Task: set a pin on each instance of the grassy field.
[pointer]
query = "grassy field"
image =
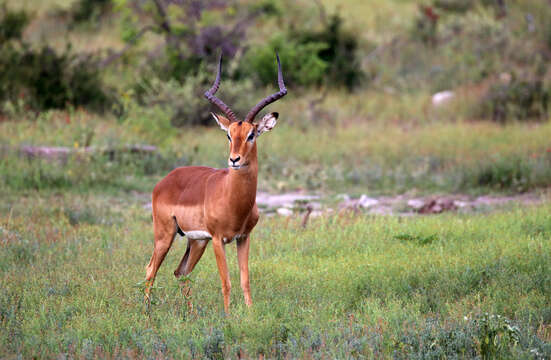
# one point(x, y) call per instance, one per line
point(76, 233)
point(373, 157)
point(347, 286)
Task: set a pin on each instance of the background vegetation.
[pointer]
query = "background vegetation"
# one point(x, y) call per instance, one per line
point(97, 78)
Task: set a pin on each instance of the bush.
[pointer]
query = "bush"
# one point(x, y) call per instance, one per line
point(43, 79)
point(339, 52)
point(517, 98)
point(12, 24)
point(47, 80)
point(327, 56)
point(301, 63)
point(186, 103)
point(85, 10)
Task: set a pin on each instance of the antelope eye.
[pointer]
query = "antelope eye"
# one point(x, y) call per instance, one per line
point(251, 137)
point(228, 135)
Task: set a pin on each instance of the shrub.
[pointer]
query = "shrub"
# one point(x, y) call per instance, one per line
point(519, 98)
point(326, 56)
point(12, 24)
point(339, 52)
point(43, 78)
point(301, 62)
point(47, 80)
point(84, 10)
point(185, 102)
point(426, 25)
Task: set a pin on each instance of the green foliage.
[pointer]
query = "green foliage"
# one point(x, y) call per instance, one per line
point(41, 78)
point(327, 56)
point(84, 171)
point(518, 99)
point(185, 101)
point(54, 81)
point(497, 335)
point(514, 173)
point(340, 52)
point(12, 24)
point(86, 10)
point(301, 62)
point(419, 239)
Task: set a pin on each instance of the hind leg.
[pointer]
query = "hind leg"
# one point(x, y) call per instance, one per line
point(194, 251)
point(164, 236)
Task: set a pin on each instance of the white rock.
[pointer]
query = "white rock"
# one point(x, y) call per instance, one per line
point(271, 201)
point(442, 97)
point(460, 204)
point(416, 203)
point(367, 202)
point(285, 212)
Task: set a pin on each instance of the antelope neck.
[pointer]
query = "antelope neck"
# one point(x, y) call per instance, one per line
point(243, 181)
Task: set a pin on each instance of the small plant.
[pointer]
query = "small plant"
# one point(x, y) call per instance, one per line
point(496, 335)
point(213, 346)
point(418, 239)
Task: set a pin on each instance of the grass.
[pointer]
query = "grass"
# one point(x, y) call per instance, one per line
point(348, 286)
point(352, 158)
point(75, 236)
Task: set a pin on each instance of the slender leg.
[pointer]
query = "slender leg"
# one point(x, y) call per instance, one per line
point(243, 259)
point(194, 251)
point(220, 255)
point(164, 235)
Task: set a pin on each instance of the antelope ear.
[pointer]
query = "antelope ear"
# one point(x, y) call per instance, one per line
point(267, 123)
point(223, 122)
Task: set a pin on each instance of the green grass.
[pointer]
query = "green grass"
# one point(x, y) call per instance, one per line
point(352, 158)
point(75, 236)
point(348, 286)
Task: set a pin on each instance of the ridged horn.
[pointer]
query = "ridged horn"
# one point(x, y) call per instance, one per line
point(209, 94)
point(271, 98)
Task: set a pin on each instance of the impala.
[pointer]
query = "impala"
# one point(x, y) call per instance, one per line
point(203, 203)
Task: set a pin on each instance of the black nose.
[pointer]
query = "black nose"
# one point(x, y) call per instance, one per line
point(235, 160)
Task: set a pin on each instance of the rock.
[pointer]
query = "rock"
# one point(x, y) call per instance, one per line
point(416, 204)
point(436, 206)
point(275, 201)
point(367, 202)
point(284, 211)
point(442, 97)
point(460, 203)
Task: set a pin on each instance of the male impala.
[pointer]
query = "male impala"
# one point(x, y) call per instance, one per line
point(205, 204)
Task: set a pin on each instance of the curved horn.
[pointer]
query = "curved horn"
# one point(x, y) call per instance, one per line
point(269, 99)
point(209, 94)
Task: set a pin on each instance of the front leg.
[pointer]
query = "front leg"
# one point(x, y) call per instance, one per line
point(243, 259)
point(220, 255)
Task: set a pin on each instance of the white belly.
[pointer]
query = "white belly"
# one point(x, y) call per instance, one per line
point(198, 235)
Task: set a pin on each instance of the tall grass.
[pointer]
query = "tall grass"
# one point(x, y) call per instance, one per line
point(348, 286)
point(372, 157)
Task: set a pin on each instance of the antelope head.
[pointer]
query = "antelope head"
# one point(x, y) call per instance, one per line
point(242, 134)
